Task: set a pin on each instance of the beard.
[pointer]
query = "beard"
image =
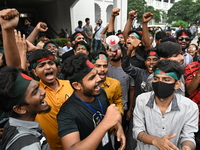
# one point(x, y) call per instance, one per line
point(116, 59)
point(89, 92)
point(45, 111)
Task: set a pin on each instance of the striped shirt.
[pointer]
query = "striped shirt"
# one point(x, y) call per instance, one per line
point(23, 135)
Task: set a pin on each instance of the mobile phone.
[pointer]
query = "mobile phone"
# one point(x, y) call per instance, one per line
point(3, 122)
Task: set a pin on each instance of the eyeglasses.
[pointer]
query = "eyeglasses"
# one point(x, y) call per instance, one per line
point(181, 39)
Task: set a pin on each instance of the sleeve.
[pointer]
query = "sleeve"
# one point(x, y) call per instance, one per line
point(138, 117)
point(188, 74)
point(191, 125)
point(129, 69)
point(66, 122)
point(131, 81)
point(118, 98)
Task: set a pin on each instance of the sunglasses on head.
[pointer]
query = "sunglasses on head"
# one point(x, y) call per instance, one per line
point(181, 39)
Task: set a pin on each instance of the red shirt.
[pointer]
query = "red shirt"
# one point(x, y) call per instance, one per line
point(190, 72)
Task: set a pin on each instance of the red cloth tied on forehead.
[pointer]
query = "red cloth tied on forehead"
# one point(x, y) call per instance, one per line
point(78, 34)
point(45, 58)
point(183, 33)
point(120, 34)
point(152, 53)
point(162, 72)
point(89, 64)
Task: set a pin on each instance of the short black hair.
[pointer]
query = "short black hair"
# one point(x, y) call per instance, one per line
point(73, 64)
point(8, 76)
point(169, 66)
point(167, 49)
point(86, 19)
point(80, 22)
point(179, 33)
point(29, 19)
point(160, 35)
point(168, 39)
point(39, 54)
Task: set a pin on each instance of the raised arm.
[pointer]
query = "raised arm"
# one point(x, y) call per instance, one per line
point(127, 28)
point(41, 27)
point(115, 12)
point(9, 19)
point(145, 33)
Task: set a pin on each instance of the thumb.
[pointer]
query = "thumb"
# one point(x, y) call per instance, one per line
point(171, 136)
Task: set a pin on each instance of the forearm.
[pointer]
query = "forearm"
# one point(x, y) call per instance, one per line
point(193, 85)
point(146, 138)
point(31, 38)
point(127, 28)
point(10, 48)
point(93, 140)
point(131, 97)
point(189, 144)
point(111, 24)
point(145, 35)
point(104, 30)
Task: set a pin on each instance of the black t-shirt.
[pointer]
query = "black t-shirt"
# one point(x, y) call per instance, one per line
point(75, 116)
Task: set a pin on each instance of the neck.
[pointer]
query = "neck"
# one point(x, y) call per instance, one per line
point(163, 103)
point(27, 117)
point(84, 97)
point(116, 63)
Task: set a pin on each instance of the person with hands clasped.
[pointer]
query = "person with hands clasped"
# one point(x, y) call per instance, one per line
point(163, 119)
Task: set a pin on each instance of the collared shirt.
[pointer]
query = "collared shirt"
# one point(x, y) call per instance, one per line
point(113, 91)
point(48, 120)
point(21, 134)
point(180, 118)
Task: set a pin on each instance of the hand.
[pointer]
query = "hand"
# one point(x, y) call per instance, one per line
point(30, 46)
point(89, 37)
point(9, 18)
point(128, 115)
point(121, 137)
point(112, 116)
point(42, 27)
point(163, 143)
point(186, 148)
point(132, 14)
point(21, 42)
point(146, 17)
point(115, 12)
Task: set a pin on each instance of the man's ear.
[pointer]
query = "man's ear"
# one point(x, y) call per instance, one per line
point(19, 109)
point(177, 84)
point(34, 72)
point(76, 85)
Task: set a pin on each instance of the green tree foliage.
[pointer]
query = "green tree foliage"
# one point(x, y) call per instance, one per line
point(182, 10)
point(180, 23)
point(141, 6)
point(137, 5)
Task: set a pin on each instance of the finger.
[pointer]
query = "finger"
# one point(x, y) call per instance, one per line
point(170, 136)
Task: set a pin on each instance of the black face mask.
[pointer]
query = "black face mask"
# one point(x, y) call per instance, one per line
point(163, 90)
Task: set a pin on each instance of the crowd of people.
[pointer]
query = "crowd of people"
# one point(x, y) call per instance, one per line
point(103, 90)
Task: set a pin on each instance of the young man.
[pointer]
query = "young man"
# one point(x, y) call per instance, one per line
point(192, 78)
point(79, 28)
point(111, 86)
point(87, 127)
point(183, 38)
point(88, 31)
point(97, 36)
point(27, 28)
point(57, 92)
point(22, 98)
point(163, 119)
